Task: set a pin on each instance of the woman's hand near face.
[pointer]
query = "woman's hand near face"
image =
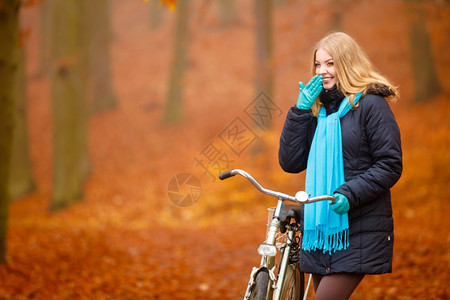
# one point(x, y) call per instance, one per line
point(309, 93)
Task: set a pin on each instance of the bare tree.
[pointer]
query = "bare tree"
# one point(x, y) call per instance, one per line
point(9, 66)
point(21, 179)
point(174, 103)
point(68, 73)
point(262, 108)
point(44, 38)
point(227, 13)
point(156, 14)
point(426, 81)
point(100, 94)
point(264, 63)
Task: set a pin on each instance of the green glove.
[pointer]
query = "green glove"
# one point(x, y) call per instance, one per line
point(341, 205)
point(310, 92)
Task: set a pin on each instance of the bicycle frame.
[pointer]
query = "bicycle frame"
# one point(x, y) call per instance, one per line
point(268, 249)
point(268, 262)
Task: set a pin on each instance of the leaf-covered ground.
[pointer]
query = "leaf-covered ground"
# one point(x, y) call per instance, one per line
point(127, 240)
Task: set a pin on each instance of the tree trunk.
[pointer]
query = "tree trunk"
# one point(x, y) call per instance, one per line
point(174, 105)
point(264, 63)
point(9, 66)
point(100, 95)
point(226, 12)
point(68, 90)
point(21, 181)
point(264, 67)
point(156, 14)
point(44, 38)
point(337, 7)
point(426, 81)
point(262, 108)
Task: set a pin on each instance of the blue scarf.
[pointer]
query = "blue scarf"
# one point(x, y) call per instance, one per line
point(323, 228)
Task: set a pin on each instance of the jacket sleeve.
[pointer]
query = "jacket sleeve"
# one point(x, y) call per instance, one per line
point(384, 141)
point(295, 140)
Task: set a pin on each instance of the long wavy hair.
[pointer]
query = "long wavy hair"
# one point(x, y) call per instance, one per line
point(355, 72)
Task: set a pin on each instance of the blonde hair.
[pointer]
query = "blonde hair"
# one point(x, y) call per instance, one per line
point(354, 71)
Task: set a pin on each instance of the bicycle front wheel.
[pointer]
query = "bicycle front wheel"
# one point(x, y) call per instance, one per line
point(293, 287)
point(261, 286)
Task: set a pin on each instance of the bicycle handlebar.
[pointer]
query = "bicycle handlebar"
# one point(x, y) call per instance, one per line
point(226, 175)
point(301, 197)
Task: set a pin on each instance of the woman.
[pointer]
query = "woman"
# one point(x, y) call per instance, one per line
point(343, 132)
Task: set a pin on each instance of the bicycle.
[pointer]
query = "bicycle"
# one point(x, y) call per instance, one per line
point(279, 278)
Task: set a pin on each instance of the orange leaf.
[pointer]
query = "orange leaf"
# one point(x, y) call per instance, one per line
point(170, 3)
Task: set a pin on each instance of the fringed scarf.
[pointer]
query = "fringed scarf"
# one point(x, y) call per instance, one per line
point(323, 228)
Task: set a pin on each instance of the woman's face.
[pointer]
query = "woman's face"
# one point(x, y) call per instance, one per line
point(325, 66)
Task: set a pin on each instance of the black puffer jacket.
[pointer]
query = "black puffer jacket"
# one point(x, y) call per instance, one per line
point(372, 165)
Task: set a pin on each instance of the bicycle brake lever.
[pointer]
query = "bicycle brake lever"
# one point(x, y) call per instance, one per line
point(302, 196)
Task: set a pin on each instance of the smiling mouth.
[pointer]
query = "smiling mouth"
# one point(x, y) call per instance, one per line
point(326, 80)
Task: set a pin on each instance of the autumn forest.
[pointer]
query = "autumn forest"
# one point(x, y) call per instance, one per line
point(118, 116)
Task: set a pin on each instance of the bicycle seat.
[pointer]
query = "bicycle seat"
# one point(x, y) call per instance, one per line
point(288, 213)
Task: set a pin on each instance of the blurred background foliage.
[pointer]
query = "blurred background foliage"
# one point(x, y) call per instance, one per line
point(106, 102)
